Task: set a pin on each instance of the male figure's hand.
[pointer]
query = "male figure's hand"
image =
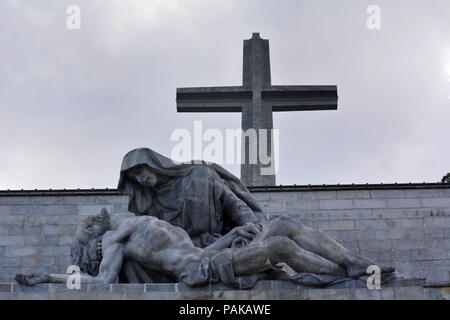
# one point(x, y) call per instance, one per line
point(32, 279)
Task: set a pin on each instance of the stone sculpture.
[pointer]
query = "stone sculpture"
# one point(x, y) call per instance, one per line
point(197, 223)
point(285, 247)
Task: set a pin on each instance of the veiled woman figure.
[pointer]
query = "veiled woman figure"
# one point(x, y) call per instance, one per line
point(202, 198)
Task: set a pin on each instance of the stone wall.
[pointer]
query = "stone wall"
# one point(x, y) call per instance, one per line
point(409, 228)
point(36, 232)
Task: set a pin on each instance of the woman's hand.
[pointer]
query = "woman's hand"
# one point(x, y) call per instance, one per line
point(249, 230)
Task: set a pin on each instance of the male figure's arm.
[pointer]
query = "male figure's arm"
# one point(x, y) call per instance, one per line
point(109, 269)
point(120, 234)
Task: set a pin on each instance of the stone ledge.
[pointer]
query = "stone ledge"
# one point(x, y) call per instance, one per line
point(181, 287)
point(270, 290)
point(129, 292)
point(276, 188)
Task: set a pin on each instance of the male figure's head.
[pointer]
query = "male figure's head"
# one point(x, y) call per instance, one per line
point(93, 226)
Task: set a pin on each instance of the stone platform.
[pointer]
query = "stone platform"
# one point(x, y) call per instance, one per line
point(406, 226)
point(264, 290)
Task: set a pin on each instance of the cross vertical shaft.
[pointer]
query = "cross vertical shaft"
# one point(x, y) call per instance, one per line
point(255, 78)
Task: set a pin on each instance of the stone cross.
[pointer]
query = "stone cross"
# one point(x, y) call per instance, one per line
point(257, 98)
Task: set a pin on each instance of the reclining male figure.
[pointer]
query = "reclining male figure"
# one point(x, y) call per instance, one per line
point(162, 247)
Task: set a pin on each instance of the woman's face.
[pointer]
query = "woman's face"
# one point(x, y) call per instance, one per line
point(143, 175)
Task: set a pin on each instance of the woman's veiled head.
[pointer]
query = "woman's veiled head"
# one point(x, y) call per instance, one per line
point(143, 175)
point(152, 162)
point(142, 171)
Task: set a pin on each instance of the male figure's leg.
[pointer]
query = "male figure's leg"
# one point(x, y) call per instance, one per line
point(263, 255)
point(319, 243)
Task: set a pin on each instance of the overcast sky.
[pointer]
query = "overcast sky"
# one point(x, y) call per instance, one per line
point(73, 102)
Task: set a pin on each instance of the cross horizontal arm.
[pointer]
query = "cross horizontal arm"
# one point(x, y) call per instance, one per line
point(301, 98)
point(212, 99)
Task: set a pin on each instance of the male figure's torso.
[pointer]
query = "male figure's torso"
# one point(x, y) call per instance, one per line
point(155, 244)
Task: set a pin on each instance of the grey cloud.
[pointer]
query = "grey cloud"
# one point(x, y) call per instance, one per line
point(74, 102)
